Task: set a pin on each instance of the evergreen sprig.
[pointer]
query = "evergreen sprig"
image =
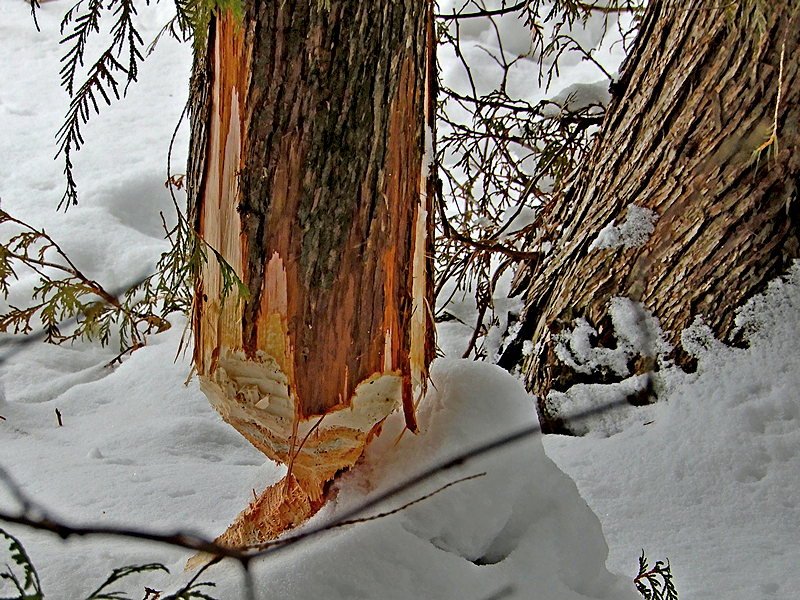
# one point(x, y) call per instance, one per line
point(192, 18)
point(102, 593)
point(655, 583)
point(143, 308)
point(170, 289)
point(119, 62)
point(63, 292)
point(35, 5)
point(27, 583)
point(191, 590)
point(102, 77)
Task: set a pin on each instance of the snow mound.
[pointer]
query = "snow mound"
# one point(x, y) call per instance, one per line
point(711, 481)
point(521, 529)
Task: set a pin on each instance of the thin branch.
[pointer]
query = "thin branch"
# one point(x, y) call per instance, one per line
point(483, 13)
point(486, 102)
point(64, 531)
point(458, 460)
point(608, 10)
point(33, 516)
point(95, 287)
point(492, 246)
point(409, 504)
point(476, 332)
point(34, 7)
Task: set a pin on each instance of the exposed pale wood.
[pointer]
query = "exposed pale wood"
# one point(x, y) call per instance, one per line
point(313, 189)
point(279, 508)
point(696, 98)
point(219, 324)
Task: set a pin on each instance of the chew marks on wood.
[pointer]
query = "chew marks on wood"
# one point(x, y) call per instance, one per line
point(317, 191)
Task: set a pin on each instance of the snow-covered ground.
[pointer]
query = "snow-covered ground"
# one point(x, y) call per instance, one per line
point(708, 477)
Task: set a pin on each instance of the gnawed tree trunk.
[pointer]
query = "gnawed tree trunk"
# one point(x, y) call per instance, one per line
point(687, 136)
point(310, 125)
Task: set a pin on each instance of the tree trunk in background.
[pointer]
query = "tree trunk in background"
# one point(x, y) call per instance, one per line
point(686, 137)
point(310, 125)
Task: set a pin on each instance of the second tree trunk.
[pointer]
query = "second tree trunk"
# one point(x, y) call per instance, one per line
point(689, 204)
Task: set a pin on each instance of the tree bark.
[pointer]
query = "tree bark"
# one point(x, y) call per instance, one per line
point(687, 135)
point(309, 172)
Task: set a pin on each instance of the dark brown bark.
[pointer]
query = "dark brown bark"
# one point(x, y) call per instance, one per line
point(306, 174)
point(695, 102)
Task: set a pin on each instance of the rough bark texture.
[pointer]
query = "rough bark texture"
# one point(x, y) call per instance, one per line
point(696, 100)
point(310, 125)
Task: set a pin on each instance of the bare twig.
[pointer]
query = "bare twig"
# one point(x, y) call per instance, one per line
point(409, 504)
point(483, 13)
point(33, 516)
point(458, 460)
point(477, 331)
point(491, 246)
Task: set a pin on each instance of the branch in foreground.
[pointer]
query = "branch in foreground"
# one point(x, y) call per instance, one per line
point(586, 7)
point(483, 13)
point(457, 461)
point(31, 515)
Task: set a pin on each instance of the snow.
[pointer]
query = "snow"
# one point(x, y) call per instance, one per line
point(633, 232)
point(430, 156)
point(581, 95)
point(516, 219)
point(636, 333)
point(712, 481)
point(708, 476)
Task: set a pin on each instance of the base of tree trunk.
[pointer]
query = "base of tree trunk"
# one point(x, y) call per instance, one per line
point(280, 507)
point(698, 156)
point(253, 397)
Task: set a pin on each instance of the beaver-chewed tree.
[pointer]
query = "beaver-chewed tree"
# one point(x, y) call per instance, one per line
point(689, 203)
point(309, 172)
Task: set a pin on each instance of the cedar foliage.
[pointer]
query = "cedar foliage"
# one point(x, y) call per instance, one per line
point(64, 296)
point(120, 60)
point(655, 583)
point(21, 575)
point(143, 307)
